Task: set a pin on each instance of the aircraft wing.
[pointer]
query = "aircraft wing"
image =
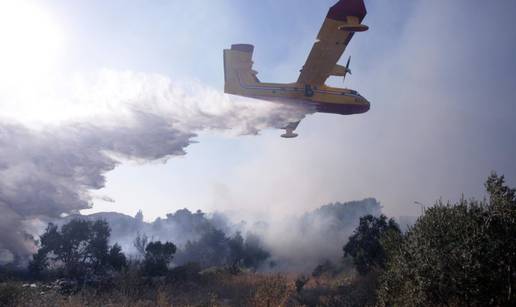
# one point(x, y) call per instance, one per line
point(342, 21)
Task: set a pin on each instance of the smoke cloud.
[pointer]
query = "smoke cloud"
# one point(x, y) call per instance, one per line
point(49, 165)
point(301, 242)
point(295, 243)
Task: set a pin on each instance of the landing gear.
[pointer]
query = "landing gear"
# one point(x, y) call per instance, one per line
point(289, 134)
point(290, 130)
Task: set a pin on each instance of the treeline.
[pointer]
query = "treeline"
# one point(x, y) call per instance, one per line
point(297, 243)
point(79, 250)
point(461, 254)
point(89, 248)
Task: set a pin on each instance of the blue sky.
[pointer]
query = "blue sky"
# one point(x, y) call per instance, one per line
point(439, 75)
point(185, 40)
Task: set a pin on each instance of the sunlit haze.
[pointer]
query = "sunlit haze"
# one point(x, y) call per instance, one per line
point(439, 122)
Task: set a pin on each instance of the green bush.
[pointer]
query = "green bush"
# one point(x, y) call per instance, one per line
point(365, 246)
point(157, 258)
point(460, 254)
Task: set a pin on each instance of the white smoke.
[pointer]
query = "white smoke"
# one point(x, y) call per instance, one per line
point(57, 143)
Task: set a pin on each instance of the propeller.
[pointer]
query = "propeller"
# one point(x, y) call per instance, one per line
point(347, 70)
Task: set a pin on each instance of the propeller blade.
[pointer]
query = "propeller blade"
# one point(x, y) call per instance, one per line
point(348, 71)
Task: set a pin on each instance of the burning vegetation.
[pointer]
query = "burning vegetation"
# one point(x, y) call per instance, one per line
point(453, 255)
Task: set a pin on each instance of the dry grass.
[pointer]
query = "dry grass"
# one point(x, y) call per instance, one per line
point(213, 288)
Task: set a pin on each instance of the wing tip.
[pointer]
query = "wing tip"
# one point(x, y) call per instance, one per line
point(243, 47)
point(345, 8)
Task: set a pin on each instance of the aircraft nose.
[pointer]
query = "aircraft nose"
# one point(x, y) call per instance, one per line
point(366, 103)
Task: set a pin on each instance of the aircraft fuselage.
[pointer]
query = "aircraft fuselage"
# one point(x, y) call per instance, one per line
point(323, 99)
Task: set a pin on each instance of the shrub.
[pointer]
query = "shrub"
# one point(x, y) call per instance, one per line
point(461, 254)
point(365, 245)
point(157, 258)
point(270, 291)
point(187, 272)
point(10, 294)
point(300, 283)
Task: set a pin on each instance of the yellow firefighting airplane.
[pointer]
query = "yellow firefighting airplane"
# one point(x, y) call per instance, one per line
point(342, 21)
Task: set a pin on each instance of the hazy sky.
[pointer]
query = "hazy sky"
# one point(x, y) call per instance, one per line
point(439, 75)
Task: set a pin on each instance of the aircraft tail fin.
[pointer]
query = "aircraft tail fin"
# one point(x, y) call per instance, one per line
point(238, 69)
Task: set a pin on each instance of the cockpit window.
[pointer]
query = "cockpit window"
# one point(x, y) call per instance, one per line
point(352, 92)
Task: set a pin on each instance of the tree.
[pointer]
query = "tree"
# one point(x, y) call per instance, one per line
point(140, 243)
point(116, 258)
point(365, 245)
point(139, 217)
point(247, 253)
point(254, 253)
point(236, 251)
point(80, 247)
point(457, 254)
point(157, 257)
point(97, 247)
point(212, 249)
